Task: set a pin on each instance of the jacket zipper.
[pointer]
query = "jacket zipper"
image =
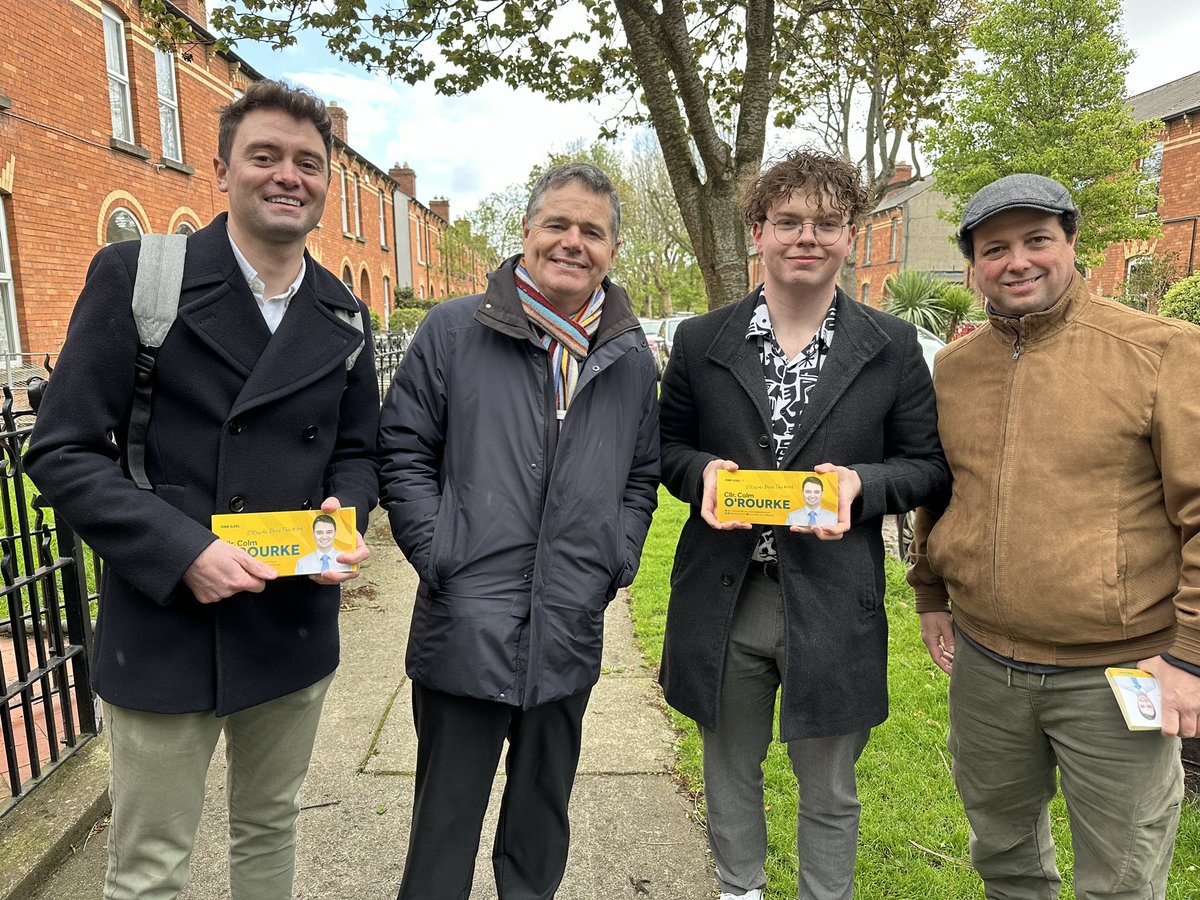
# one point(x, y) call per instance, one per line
point(997, 539)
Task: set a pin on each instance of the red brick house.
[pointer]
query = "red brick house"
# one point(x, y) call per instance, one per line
point(103, 137)
point(1174, 166)
point(904, 231)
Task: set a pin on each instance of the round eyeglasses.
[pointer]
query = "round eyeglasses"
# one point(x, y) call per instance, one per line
point(826, 231)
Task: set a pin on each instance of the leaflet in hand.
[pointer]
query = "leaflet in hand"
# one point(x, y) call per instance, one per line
point(303, 542)
point(768, 497)
point(1138, 696)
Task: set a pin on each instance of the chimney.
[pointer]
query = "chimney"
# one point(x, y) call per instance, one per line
point(337, 115)
point(406, 178)
point(440, 206)
point(902, 173)
point(196, 10)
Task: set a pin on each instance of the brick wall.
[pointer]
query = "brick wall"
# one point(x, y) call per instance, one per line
point(1179, 199)
point(883, 261)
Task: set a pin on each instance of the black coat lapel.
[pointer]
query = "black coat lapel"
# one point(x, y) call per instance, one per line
point(856, 340)
point(731, 349)
point(310, 341)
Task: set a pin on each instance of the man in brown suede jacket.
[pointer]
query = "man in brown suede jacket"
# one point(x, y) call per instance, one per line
point(1071, 542)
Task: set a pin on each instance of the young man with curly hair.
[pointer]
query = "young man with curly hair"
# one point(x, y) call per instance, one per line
point(796, 376)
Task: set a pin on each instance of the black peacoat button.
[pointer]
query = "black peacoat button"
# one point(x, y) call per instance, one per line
point(726, 579)
point(764, 441)
point(311, 432)
point(237, 503)
point(236, 427)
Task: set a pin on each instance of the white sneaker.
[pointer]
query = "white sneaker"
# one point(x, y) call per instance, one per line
point(755, 894)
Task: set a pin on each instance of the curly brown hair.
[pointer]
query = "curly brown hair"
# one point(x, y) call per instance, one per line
point(820, 175)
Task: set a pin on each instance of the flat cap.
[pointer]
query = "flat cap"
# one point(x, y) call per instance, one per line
point(1013, 192)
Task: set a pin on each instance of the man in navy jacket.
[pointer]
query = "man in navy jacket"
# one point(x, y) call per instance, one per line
point(255, 408)
point(519, 451)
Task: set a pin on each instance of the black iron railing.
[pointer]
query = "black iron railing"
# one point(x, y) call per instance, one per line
point(47, 709)
point(390, 347)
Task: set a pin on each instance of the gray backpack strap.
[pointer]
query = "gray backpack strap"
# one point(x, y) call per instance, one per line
point(155, 304)
point(156, 290)
point(354, 319)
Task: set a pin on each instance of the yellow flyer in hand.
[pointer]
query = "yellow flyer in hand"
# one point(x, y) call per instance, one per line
point(303, 542)
point(766, 497)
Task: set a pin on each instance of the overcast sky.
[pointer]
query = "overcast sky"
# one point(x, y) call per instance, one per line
point(463, 148)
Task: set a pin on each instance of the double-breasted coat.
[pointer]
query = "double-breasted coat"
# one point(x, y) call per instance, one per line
point(872, 409)
point(242, 420)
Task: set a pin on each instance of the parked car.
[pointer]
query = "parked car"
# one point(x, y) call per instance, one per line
point(650, 327)
point(666, 337)
point(930, 345)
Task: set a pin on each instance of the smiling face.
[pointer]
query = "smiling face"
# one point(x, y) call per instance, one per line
point(812, 494)
point(276, 177)
point(1024, 261)
point(802, 269)
point(568, 245)
point(323, 534)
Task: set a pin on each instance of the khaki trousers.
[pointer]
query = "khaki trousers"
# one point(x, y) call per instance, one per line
point(157, 767)
point(1009, 732)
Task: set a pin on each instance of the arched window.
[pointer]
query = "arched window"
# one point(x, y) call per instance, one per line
point(122, 226)
point(364, 293)
point(185, 228)
point(348, 278)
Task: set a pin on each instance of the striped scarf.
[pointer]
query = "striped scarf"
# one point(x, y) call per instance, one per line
point(565, 338)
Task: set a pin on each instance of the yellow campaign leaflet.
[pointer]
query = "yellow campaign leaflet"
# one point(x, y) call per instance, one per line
point(765, 497)
point(303, 542)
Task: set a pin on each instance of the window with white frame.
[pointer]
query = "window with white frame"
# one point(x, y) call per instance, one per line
point(387, 297)
point(382, 223)
point(895, 237)
point(168, 105)
point(10, 340)
point(122, 226)
point(867, 247)
point(185, 228)
point(420, 242)
point(866, 293)
point(1151, 172)
point(118, 75)
point(345, 204)
point(357, 210)
point(348, 279)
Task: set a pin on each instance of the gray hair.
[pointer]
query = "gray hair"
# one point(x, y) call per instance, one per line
point(586, 174)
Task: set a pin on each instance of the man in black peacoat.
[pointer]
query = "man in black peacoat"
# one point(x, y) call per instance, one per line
point(194, 636)
point(796, 376)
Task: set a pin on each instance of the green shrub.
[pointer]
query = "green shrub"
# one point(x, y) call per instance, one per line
point(405, 319)
point(1182, 301)
point(912, 295)
point(376, 322)
point(960, 305)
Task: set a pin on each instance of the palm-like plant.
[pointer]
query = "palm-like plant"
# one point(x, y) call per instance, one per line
point(960, 305)
point(912, 295)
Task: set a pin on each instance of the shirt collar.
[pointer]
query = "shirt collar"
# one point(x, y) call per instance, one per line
point(760, 320)
point(255, 283)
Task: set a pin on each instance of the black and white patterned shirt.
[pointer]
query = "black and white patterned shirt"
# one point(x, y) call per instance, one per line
point(789, 384)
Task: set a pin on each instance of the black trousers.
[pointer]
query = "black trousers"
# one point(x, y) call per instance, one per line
point(459, 740)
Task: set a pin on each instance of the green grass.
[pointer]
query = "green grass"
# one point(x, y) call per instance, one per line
point(913, 837)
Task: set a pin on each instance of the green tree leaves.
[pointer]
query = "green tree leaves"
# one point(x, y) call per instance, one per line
point(1049, 98)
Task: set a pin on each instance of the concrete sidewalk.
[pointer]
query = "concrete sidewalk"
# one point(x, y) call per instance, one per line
point(634, 834)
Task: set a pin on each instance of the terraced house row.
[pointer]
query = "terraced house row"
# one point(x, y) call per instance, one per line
point(104, 137)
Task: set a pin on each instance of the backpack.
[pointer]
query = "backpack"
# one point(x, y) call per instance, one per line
point(155, 306)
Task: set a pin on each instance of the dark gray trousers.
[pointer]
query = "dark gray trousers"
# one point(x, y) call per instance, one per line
point(459, 740)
